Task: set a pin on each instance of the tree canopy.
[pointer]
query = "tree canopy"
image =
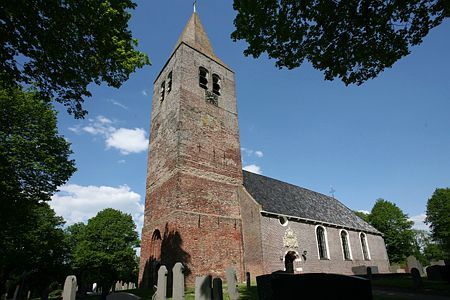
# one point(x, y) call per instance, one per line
point(60, 47)
point(350, 40)
point(34, 161)
point(104, 252)
point(389, 219)
point(438, 216)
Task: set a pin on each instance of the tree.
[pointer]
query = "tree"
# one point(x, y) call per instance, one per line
point(34, 161)
point(105, 249)
point(393, 223)
point(36, 257)
point(362, 215)
point(351, 40)
point(60, 47)
point(438, 208)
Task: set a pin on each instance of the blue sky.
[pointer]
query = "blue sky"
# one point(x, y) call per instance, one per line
point(388, 138)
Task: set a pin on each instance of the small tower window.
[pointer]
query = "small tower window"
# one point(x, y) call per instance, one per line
point(216, 84)
point(203, 78)
point(322, 242)
point(169, 82)
point(162, 91)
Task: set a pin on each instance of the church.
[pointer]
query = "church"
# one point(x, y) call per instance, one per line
point(203, 210)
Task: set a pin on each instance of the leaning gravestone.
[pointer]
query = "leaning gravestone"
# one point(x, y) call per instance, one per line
point(122, 296)
point(70, 288)
point(178, 281)
point(232, 284)
point(203, 288)
point(412, 262)
point(161, 291)
point(247, 280)
point(217, 289)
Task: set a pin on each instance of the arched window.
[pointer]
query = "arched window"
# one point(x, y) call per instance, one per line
point(162, 91)
point(203, 78)
point(169, 82)
point(364, 246)
point(345, 245)
point(216, 84)
point(322, 242)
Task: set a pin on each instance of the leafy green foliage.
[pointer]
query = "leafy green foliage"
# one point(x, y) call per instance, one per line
point(351, 40)
point(34, 161)
point(60, 47)
point(393, 223)
point(362, 215)
point(438, 216)
point(104, 252)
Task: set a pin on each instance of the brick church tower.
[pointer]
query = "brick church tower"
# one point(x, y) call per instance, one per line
point(192, 211)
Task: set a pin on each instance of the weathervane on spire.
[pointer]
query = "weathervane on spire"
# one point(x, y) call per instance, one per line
point(195, 3)
point(332, 190)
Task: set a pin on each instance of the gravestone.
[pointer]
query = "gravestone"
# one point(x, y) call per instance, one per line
point(247, 280)
point(232, 284)
point(203, 288)
point(217, 289)
point(70, 288)
point(437, 263)
point(412, 262)
point(117, 286)
point(434, 273)
point(178, 281)
point(161, 291)
point(416, 277)
point(122, 296)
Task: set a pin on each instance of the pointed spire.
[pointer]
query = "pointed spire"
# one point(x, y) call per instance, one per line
point(195, 36)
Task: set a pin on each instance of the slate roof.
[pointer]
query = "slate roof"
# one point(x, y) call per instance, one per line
point(282, 198)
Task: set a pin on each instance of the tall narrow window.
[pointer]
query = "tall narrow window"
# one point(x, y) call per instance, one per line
point(216, 84)
point(162, 91)
point(364, 246)
point(321, 242)
point(345, 245)
point(169, 82)
point(203, 78)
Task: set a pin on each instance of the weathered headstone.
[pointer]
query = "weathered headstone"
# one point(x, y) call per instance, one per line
point(122, 296)
point(412, 262)
point(117, 286)
point(232, 284)
point(70, 288)
point(416, 277)
point(247, 280)
point(16, 292)
point(161, 292)
point(203, 288)
point(178, 281)
point(217, 289)
point(437, 263)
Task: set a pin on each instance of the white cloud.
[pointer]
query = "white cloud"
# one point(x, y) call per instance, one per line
point(144, 93)
point(419, 222)
point(253, 168)
point(76, 203)
point(117, 103)
point(364, 211)
point(259, 153)
point(128, 140)
point(123, 139)
point(122, 161)
point(249, 152)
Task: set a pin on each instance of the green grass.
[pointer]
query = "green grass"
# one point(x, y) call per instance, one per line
point(428, 287)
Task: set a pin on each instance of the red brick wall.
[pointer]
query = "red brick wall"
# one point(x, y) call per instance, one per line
point(273, 249)
point(194, 171)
